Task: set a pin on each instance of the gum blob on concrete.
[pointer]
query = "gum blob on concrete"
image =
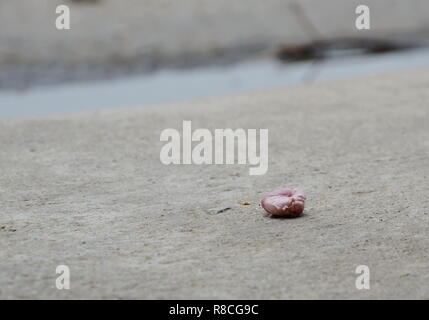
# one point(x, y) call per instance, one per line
point(284, 203)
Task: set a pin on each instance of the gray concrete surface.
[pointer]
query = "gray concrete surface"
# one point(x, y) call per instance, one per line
point(111, 39)
point(156, 31)
point(88, 190)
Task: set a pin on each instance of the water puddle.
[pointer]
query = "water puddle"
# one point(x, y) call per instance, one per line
point(181, 85)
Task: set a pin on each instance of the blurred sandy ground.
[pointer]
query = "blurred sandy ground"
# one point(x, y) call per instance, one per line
point(158, 31)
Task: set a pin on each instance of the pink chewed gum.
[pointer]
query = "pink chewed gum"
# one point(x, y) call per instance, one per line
point(284, 203)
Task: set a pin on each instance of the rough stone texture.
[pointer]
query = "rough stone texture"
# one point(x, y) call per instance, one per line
point(89, 191)
point(111, 30)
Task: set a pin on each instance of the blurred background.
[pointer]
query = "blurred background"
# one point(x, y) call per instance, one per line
point(136, 52)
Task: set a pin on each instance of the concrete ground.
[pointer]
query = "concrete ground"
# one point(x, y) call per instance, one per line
point(89, 191)
point(110, 39)
point(156, 31)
